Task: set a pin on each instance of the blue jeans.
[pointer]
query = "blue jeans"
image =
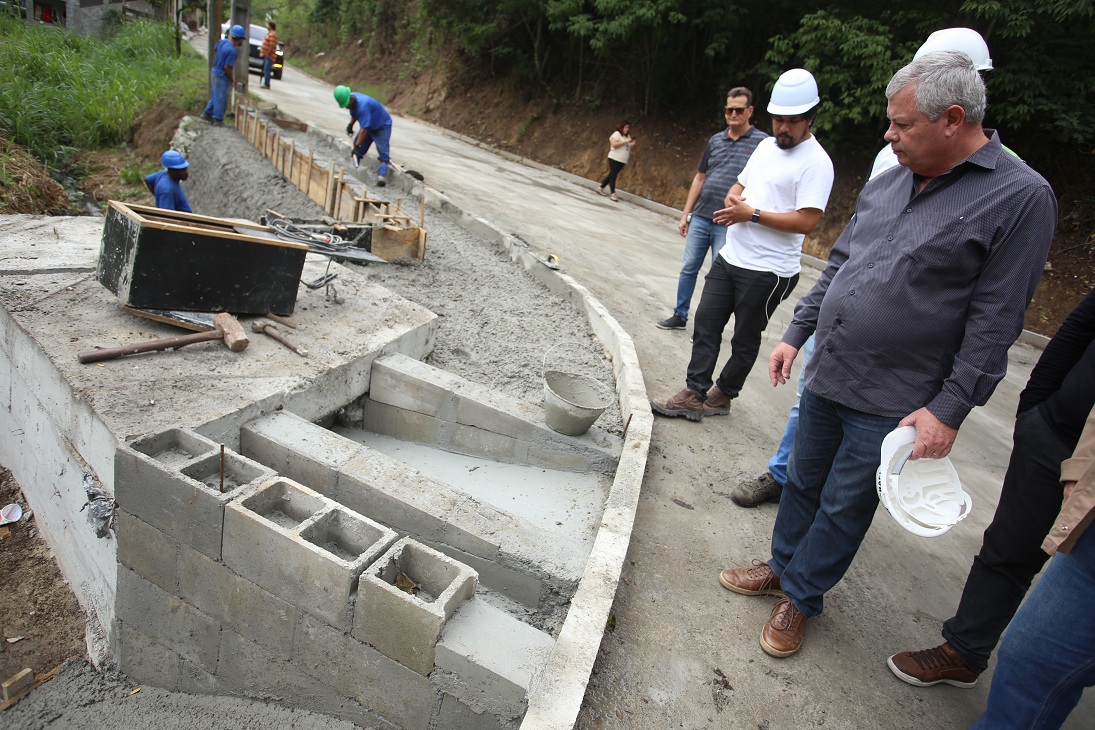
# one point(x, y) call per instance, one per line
point(218, 103)
point(703, 234)
point(777, 465)
point(1047, 657)
point(382, 137)
point(267, 69)
point(829, 499)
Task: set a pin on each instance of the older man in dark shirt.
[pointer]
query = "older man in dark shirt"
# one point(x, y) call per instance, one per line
point(924, 292)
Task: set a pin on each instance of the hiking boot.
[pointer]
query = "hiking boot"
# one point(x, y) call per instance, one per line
point(613, 198)
point(381, 180)
point(782, 634)
point(601, 190)
point(932, 666)
point(754, 492)
point(206, 116)
point(684, 403)
point(673, 322)
point(717, 404)
point(756, 580)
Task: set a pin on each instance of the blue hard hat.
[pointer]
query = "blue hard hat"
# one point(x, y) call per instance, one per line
point(238, 31)
point(173, 160)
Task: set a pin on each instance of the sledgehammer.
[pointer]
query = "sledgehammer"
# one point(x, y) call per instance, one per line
point(226, 328)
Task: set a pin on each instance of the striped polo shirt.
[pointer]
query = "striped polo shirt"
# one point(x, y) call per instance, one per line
point(723, 160)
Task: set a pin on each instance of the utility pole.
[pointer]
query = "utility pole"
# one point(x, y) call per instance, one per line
point(213, 25)
point(241, 15)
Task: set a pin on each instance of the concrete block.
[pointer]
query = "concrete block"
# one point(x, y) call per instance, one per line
point(455, 715)
point(239, 604)
point(173, 623)
point(355, 670)
point(196, 681)
point(495, 656)
point(145, 660)
point(248, 670)
point(146, 551)
point(320, 547)
point(298, 449)
point(181, 498)
point(521, 587)
point(391, 493)
point(403, 619)
point(402, 423)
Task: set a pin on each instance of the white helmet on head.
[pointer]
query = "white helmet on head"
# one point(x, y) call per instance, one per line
point(965, 40)
point(795, 92)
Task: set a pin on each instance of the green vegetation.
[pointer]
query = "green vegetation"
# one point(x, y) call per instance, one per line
point(61, 90)
point(678, 57)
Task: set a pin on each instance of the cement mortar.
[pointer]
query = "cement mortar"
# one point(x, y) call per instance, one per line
point(497, 321)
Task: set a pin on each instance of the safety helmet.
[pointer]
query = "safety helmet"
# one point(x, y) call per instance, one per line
point(342, 96)
point(923, 496)
point(173, 160)
point(965, 40)
point(238, 32)
point(795, 92)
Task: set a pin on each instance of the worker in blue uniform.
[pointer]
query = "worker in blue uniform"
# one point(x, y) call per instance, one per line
point(222, 74)
point(164, 184)
point(375, 125)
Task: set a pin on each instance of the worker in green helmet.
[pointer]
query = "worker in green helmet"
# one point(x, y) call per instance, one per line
point(374, 123)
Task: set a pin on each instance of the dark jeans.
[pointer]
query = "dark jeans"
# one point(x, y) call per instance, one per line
point(829, 500)
point(614, 167)
point(752, 297)
point(1011, 553)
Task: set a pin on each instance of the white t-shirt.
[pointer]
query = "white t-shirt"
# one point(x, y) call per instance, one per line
point(884, 160)
point(778, 181)
point(621, 153)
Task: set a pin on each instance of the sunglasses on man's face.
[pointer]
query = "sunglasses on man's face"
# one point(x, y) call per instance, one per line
point(731, 110)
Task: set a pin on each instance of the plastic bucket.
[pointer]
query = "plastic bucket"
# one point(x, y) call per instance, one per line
point(573, 402)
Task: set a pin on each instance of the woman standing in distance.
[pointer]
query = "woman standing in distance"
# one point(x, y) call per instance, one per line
point(619, 152)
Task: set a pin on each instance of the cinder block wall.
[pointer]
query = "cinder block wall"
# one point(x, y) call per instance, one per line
point(271, 589)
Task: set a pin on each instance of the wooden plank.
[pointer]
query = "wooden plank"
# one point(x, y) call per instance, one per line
point(289, 124)
point(390, 242)
point(39, 680)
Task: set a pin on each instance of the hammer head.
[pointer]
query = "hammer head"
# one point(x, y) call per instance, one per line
point(234, 336)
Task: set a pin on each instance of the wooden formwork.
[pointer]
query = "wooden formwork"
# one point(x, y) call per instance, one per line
point(395, 233)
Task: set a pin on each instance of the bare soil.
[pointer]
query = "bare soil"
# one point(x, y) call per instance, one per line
point(40, 621)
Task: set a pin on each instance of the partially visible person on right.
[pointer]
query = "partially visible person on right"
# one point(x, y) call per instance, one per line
point(164, 184)
point(1047, 658)
point(620, 144)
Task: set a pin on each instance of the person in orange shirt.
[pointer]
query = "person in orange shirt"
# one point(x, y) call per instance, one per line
point(268, 52)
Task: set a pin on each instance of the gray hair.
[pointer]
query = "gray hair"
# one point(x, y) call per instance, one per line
point(943, 79)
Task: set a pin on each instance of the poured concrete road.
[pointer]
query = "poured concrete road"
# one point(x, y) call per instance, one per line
point(683, 652)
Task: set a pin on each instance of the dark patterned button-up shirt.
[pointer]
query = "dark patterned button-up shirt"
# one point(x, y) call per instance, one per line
point(925, 292)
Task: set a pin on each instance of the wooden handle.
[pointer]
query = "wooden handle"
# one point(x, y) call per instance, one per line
point(168, 343)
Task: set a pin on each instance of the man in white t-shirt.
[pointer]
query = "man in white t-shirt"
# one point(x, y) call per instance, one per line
point(779, 198)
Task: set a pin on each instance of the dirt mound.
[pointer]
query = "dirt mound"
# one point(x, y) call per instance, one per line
point(25, 184)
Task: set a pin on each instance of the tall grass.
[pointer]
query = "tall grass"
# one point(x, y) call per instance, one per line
point(61, 90)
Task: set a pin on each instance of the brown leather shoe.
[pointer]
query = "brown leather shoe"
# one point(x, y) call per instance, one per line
point(684, 403)
point(782, 635)
point(941, 665)
point(756, 580)
point(717, 404)
point(755, 492)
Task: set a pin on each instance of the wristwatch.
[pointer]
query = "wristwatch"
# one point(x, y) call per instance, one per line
point(756, 215)
point(688, 218)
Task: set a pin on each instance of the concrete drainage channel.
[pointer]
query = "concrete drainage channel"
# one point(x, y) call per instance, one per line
point(305, 539)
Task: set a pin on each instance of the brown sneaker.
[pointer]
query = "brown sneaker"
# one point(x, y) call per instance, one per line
point(684, 404)
point(782, 635)
point(717, 404)
point(756, 580)
point(932, 666)
point(754, 492)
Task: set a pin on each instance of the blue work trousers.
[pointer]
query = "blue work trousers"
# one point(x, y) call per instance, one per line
point(777, 465)
point(382, 137)
point(267, 70)
point(218, 103)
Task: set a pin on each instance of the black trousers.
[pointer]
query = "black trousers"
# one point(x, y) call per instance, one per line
point(1011, 553)
point(614, 167)
point(752, 297)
